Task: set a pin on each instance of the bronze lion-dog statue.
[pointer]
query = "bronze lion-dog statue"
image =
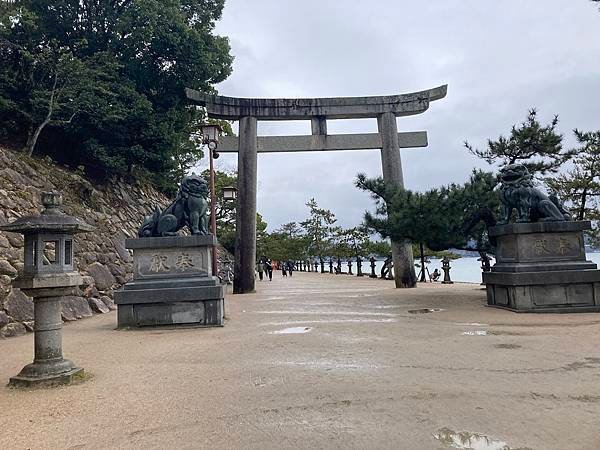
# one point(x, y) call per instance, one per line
point(189, 209)
point(517, 192)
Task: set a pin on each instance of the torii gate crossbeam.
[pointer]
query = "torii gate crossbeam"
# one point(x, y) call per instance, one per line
point(249, 110)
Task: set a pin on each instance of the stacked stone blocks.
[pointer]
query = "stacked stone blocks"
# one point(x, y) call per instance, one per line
point(542, 267)
point(172, 283)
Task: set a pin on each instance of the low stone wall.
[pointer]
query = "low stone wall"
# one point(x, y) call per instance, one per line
point(115, 210)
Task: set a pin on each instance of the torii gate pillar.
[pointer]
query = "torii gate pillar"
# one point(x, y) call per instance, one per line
point(245, 223)
point(391, 162)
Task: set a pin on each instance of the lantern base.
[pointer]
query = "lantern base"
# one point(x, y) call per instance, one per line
point(41, 375)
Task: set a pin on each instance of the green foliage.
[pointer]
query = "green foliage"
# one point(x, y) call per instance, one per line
point(442, 218)
point(317, 236)
point(110, 76)
point(378, 248)
point(225, 210)
point(319, 229)
point(286, 243)
point(537, 147)
point(580, 186)
point(428, 253)
point(261, 233)
point(351, 242)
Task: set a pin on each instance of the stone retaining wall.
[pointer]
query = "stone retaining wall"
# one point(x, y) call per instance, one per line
point(115, 210)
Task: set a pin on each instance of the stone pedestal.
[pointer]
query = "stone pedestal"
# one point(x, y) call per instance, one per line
point(542, 267)
point(172, 284)
point(48, 368)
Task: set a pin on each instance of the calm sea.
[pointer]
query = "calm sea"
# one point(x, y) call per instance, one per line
point(466, 269)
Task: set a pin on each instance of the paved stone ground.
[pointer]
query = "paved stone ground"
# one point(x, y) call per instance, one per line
point(367, 374)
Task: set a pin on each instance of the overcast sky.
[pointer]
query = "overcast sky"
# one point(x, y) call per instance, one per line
point(499, 58)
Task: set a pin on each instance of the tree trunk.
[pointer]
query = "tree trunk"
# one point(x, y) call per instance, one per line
point(32, 139)
point(423, 279)
point(582, 208)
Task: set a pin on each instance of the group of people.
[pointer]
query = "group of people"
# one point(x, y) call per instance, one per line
point(287, 267)
point(265, 267)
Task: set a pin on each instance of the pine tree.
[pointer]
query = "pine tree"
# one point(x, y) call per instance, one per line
point(319, 229)
point(536, 146)
point(580, 186)
point(439, 219)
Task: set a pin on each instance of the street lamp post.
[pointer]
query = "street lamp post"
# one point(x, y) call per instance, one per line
point(210, 137)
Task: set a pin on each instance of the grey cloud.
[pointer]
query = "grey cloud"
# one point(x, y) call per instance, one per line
point(499, 59)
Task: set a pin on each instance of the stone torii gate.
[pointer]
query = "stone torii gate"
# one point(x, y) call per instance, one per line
point(249, 110)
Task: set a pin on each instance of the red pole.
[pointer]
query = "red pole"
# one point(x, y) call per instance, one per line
point(213, 209)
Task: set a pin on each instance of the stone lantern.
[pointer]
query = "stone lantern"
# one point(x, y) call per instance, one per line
point(49, 274)
point(446, 268)
point(372, 262)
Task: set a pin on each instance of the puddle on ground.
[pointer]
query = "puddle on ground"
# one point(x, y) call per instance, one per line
point(293, 330)
point(328, 365)
point(354, 295)
point(474, 333)
point(387, 306)
point(424, 310)
point(300, 322)
point(508, 346)
point(333, 313)
point(469, 441)
point(333, 292)
point(506, 333)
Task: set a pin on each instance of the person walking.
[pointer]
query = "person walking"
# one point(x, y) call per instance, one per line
point(290, 265)
point(283, 265)
point(269, 269)
point(260, 268)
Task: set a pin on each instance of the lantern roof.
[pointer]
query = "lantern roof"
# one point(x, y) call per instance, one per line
point(51, 219)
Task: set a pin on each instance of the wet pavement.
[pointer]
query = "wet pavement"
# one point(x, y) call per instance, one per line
point(322, 361)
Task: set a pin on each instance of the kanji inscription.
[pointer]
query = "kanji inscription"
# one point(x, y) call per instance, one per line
point(184, 261)
point(158, 263)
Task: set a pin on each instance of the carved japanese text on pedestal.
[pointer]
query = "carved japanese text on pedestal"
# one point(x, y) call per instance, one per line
point(168, 262)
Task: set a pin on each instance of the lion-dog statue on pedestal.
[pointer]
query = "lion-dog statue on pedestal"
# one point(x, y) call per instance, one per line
point(532, 205)
point(189, 208)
